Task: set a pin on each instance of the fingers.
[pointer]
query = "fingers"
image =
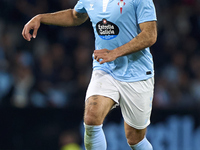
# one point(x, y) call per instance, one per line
point(100, 58)
point(103, 55)
point(26, 34)
point(35, 32)
point(97, 58)
point(103, 61)
point(34, 25)
point(97, 55)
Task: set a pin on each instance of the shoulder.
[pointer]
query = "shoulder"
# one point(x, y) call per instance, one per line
point(143, 3)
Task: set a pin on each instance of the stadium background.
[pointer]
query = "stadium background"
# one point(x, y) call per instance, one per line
point(43, 82)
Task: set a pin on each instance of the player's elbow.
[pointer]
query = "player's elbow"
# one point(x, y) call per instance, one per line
point(152, 40)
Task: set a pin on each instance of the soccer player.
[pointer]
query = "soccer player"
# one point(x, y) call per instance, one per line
point(123, 71)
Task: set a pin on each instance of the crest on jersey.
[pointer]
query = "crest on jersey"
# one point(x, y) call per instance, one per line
point(121, 4)
point(107, 30)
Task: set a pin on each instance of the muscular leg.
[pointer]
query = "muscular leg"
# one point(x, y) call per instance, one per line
point(96, 109)
point(136, 138)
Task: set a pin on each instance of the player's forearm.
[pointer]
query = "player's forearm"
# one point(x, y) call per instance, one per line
point(60, 18)
point(140, 42)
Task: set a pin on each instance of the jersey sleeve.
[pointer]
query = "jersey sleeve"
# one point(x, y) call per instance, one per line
point(79, 7)
point(145, 11)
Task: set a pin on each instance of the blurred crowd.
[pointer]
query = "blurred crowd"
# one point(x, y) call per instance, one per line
point(54, 69)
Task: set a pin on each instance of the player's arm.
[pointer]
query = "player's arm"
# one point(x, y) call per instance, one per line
point(67, 17)
point(146, 38)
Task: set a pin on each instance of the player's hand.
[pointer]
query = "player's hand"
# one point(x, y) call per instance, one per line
point(104, 55)
point(34, 25)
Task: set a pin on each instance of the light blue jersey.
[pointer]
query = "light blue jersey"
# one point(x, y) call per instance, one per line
point(115, 23)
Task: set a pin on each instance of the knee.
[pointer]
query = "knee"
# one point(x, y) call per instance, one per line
point(92, 118)
point(132, 142)
point(133, 135)
point(134, 138)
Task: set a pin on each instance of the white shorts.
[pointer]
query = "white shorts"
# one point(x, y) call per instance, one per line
point(134, 98)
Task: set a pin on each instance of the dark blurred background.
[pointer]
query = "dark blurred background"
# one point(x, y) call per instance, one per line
point(43, 82)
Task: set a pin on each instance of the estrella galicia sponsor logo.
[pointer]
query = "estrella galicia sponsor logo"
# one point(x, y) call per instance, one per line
point(107, 30)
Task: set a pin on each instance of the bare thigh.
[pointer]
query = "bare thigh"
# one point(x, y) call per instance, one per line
point(96, 109)
point(133, 135)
